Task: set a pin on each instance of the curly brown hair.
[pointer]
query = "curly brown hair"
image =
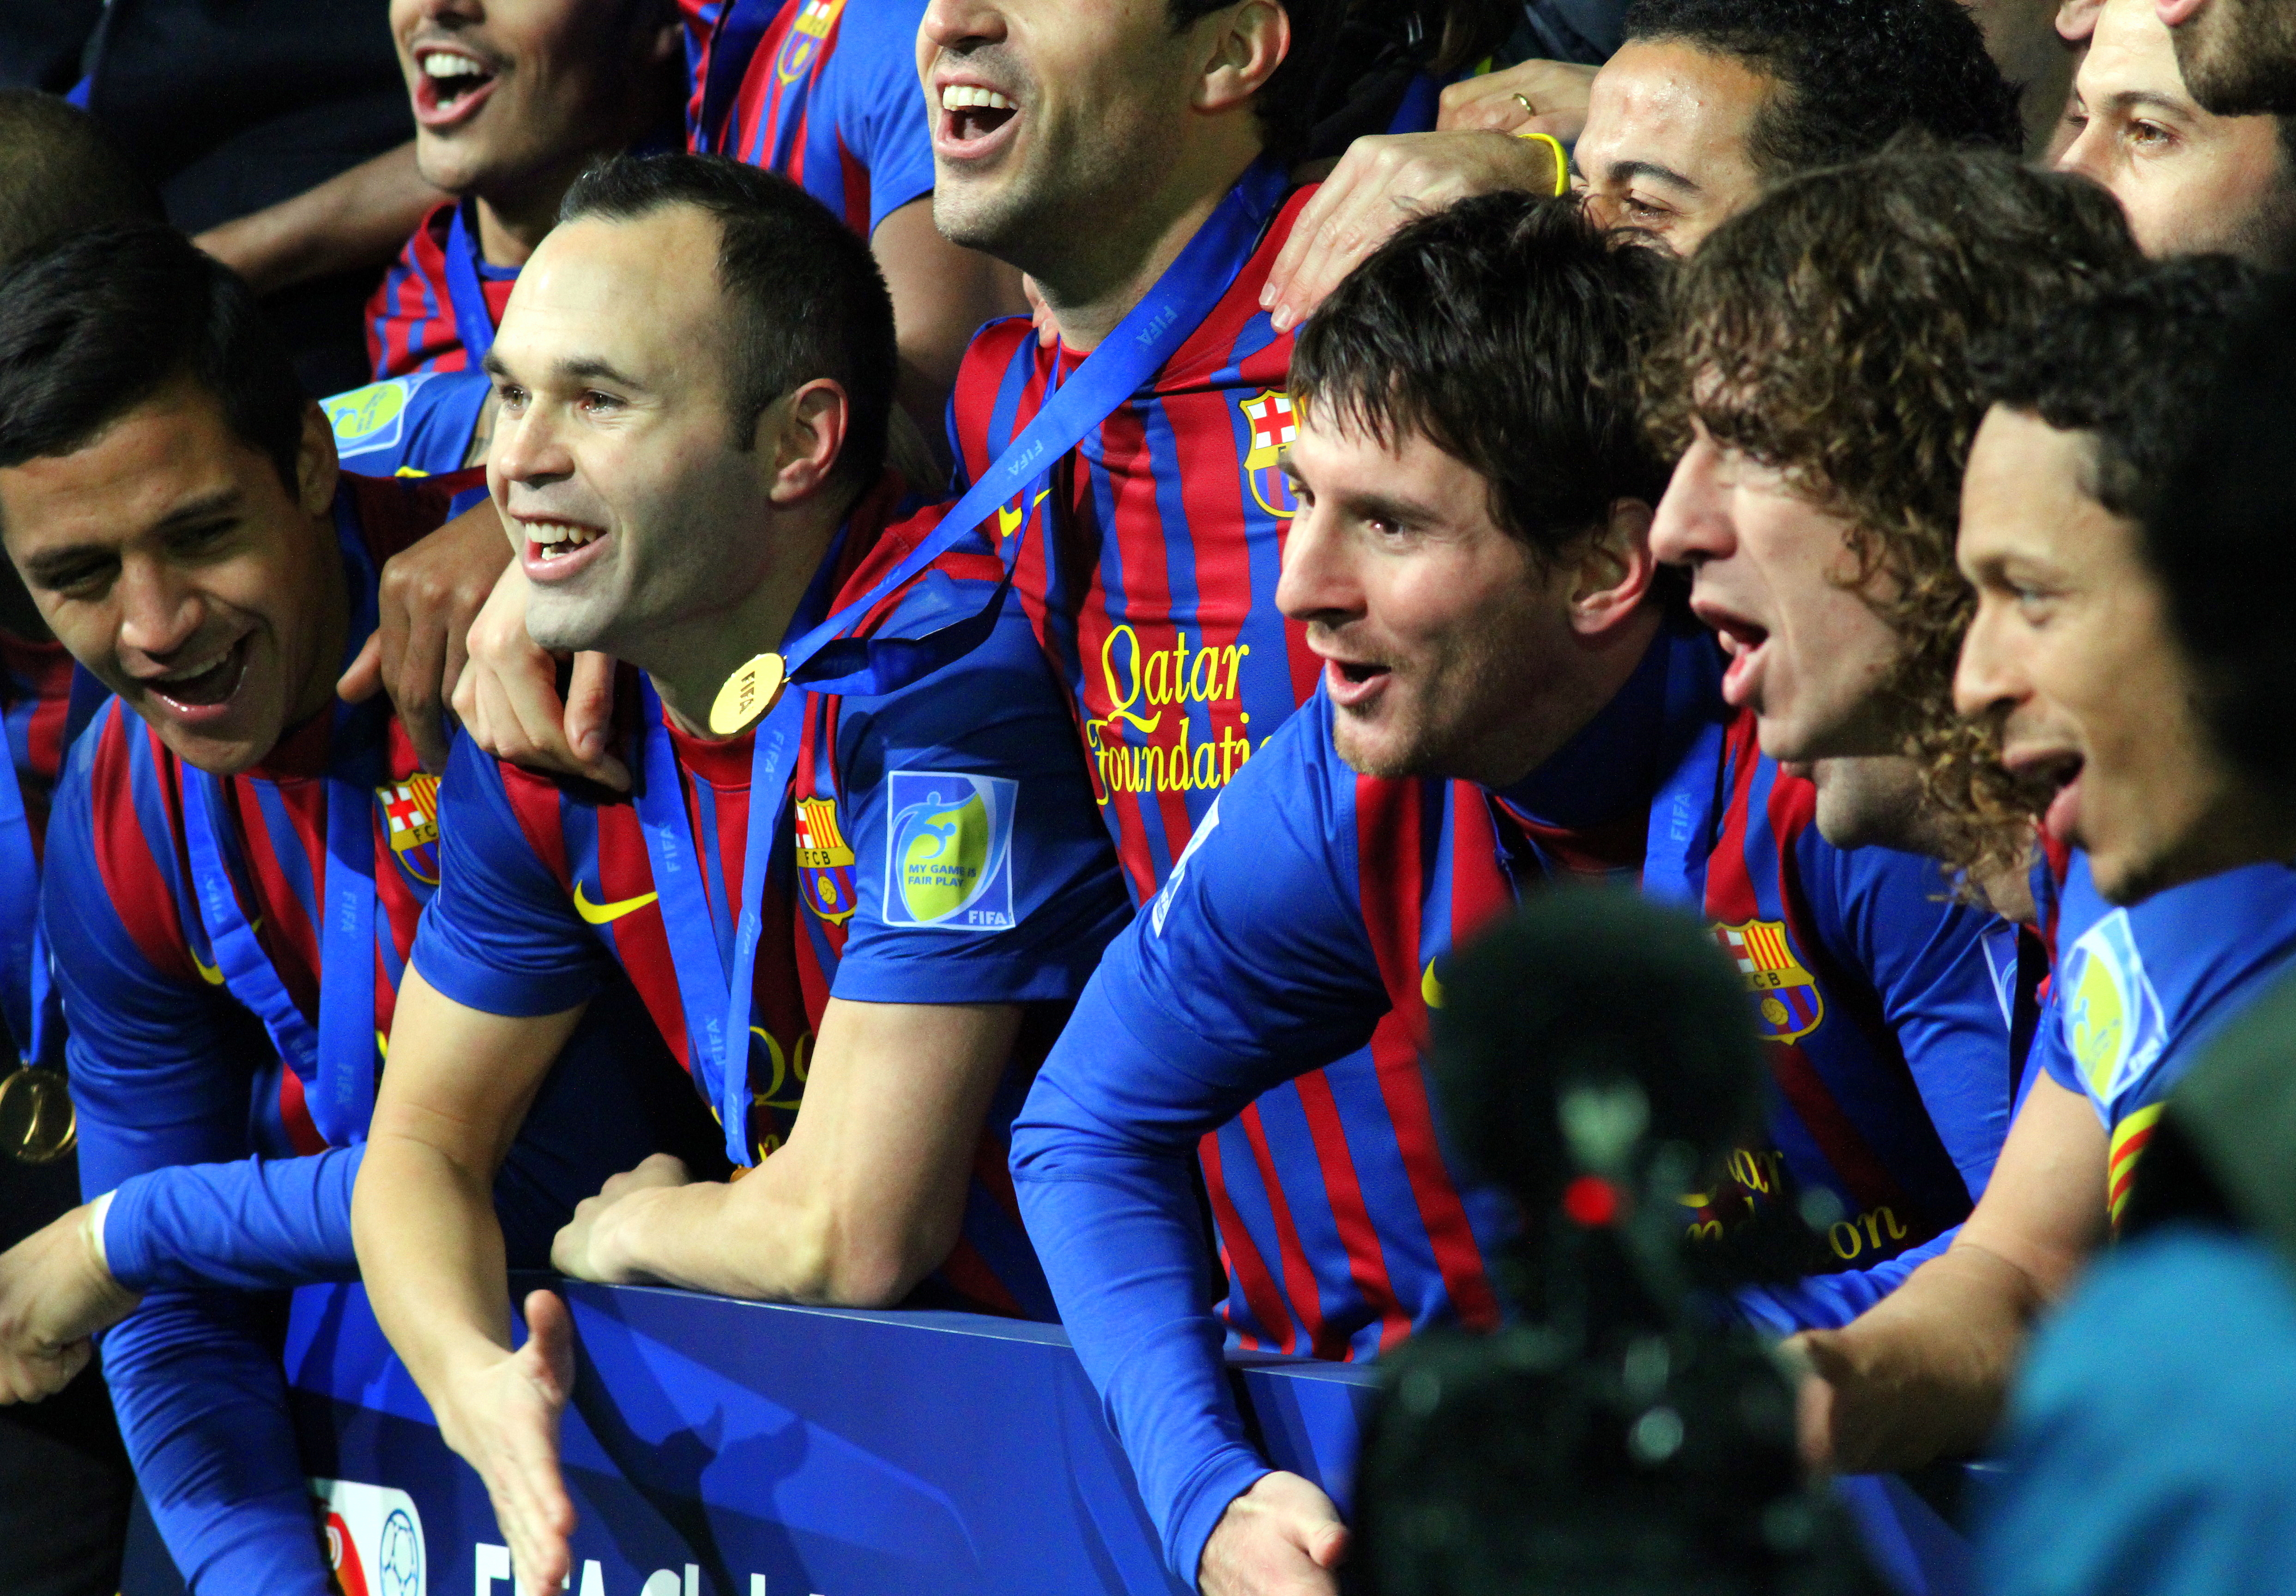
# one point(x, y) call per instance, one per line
point(1826, 331)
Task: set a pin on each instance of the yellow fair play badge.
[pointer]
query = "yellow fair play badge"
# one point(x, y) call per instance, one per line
point(748, 693)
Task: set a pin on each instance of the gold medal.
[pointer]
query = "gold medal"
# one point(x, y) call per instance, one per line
point(36, 1125)
point(748, 693)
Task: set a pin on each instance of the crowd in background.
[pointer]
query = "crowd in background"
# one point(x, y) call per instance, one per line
point(1586, 697)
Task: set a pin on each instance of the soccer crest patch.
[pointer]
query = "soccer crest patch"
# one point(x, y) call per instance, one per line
point(411, 808)
point(824, 863)
point(1786, 998)
point(365, 420)
point(2114, 1024)
point(804, 41)
point(948, 850)
point(1269, 416)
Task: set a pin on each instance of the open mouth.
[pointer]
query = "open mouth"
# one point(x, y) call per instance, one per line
point(1742, 641)
point(449, 85)
point(203, 684)
point(971, 115)
point(1352, 683)
point(552, 546)
point(2048, 783)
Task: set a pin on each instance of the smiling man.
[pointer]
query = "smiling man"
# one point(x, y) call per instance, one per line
point(1707, 104)
point(1503, 702)
point(2191, 182)
point(897, 893)
point(234, 867)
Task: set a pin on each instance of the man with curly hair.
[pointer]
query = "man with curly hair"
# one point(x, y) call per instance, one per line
point(1820, 379)
point(1707, 104)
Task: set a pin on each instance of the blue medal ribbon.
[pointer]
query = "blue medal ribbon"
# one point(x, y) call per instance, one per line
point(474, 323)
point(826, 661)
point(741, 25)
point(717, 1015)
point(337, 1058)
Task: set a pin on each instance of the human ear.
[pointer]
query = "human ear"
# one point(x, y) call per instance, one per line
point(316, 466)
point(1247, 43)
point(1615, 569)
point(808, 429)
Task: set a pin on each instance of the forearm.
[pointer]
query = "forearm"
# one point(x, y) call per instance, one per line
point(431, 1254)
point(202, 1407)
point(357, 217)
point(254, 1224)
point(1930, 1365)
point(1120, 1240)
point(1830, 1301)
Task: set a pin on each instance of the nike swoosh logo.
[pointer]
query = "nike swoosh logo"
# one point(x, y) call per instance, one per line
point(1431, 990)
point(599, 914)
point(1008, 522)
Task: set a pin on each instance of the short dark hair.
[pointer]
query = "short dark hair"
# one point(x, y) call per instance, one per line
point(2132, 366)
point(64, 173)
point(1285, 105)
point(1508, 330)
point(1851, 74)
point(2220, 536)
point(1827, 332)
point(101, 321)
point(807, 299)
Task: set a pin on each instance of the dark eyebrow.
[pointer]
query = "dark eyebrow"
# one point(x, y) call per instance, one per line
point(590, 368)
point(1627, 171)
point(2128, 99)
point(495, 368)
point(50, 564)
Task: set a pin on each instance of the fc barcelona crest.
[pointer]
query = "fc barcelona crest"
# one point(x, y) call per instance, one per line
point(1269, 416)
point(1785, 994)
point(804, 41)
point(824, 865)
point(411, 808)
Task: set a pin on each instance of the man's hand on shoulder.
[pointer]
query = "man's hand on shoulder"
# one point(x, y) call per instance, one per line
point(1283, 1537)
point(55, 1293)
point(429, 595)
point(507, 699)
point(592, 1246)
point(1382, 182)
point(502, 1417)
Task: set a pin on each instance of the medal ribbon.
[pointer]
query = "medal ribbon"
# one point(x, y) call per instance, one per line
point(474, 322)
point(338, 1059)
point(28, 992)
point(1691, 736)
point(733, 44)
point(826, 661)
point(718, 1014)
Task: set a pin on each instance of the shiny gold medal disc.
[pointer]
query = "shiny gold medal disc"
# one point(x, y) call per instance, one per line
point(37, 1126)
point(748, 693)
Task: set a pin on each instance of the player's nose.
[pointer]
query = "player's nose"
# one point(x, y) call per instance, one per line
point(1692, 522)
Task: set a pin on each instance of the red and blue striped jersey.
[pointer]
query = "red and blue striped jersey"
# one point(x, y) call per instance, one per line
point(824, 91)
point(2141, 992)
point(411, 321)
point(1150, 571)
point(550, 884)
point(36, 686)
point(1268, 1008)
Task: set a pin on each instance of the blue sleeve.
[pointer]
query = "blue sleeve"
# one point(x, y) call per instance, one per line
point(1248, 968)
point(413, 426)
point(253, 1225)
point(1830, 1301)
point(881, 113)
point(499, 935)
point(984, 752)
point(159, 1076)
point(1928, 958)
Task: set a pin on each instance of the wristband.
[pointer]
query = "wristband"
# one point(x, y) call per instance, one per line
point(1562, 161)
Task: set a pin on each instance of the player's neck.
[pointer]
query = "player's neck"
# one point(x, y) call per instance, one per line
point(1116, 259)
point(689, 659)
point(511, 226)
point(1585, 682)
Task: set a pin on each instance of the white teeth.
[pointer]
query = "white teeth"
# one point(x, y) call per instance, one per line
point(444, 64)
point(192, 672)
point(965, 96)
point(554, 539)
